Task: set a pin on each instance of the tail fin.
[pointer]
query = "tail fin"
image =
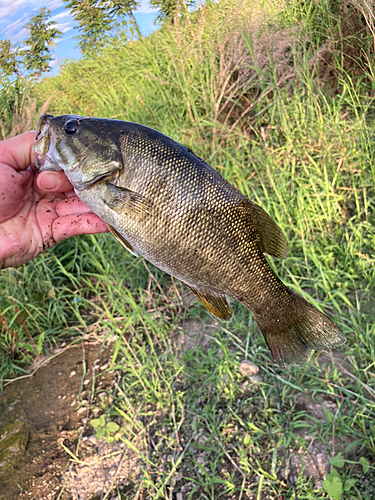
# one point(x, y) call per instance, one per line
point(302, 328)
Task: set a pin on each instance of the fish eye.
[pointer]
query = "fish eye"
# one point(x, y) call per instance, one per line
point(71, 127)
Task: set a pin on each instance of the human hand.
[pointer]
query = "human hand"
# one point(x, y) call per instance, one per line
point(36, 211)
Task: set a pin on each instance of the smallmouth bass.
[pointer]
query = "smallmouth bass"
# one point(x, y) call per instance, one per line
point(164, 203)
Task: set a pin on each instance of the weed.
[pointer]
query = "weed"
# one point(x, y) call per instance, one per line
point(337, 484)
point(108, 430)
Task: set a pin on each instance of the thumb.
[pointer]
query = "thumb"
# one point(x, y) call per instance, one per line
point(53, 182)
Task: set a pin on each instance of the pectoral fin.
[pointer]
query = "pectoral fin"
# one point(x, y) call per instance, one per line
point(123, 201)
point(122, 240)
point(215, 303)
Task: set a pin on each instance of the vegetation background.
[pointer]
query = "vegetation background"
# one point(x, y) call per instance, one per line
point(278, 96)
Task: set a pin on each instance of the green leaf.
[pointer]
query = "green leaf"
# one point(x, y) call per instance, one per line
point(95, 422)
point(365, 464)
point(100, 432)
point(254, 427)
point(112, 427)
point(335, 473)
point(246, 440)
point(218, 480)
point(102, 420)
point(333, 488)
point(352, 444)
point(337, 460)
point(349, 483)
point(39, 346)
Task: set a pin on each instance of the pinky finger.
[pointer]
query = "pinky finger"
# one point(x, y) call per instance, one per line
point(74, 225)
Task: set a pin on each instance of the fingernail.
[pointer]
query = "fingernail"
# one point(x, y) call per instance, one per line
point(49, 181)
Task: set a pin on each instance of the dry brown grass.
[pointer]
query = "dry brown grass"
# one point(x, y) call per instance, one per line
point(253, 55)
point(24, 116)
point(367, 9)
point(350, 46)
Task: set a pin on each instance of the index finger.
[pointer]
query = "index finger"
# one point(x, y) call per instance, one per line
point(17, 151)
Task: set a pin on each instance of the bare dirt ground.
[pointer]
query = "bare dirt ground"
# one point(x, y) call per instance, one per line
point(41, 419)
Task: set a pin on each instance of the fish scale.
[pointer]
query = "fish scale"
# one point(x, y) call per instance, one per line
point(166, 204)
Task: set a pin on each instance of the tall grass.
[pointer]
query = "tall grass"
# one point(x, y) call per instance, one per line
point(266, 95)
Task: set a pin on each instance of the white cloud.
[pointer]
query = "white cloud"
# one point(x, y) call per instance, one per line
point(20, 11)
point(63, 39)
point(9, 7)
point(64, 27)
point(54, 4)
point(145, 8)
point(11, 27)
point(19, 35)
point(62, 15)
point(29, 8)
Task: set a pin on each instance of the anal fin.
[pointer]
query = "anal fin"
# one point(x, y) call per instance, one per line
point(215, 303)
point(122, 240)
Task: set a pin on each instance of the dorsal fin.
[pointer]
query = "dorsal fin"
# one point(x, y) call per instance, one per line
point(273, 240)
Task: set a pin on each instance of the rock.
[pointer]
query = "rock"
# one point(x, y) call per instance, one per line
point(314, 465)
point(13, 440)
point(247, 368)
point(93, 440)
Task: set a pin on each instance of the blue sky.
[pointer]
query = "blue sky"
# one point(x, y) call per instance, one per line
point(14, 14)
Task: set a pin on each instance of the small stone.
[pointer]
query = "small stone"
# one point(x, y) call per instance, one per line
point(93, 439)
point(202, 440)
point(179, 496)
point(247, 368)
point(72, 373)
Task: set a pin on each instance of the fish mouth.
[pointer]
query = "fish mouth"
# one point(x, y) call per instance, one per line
point(44, 146)
point(46, 149)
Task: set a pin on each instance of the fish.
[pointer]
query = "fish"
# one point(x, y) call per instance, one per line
point(164, 203)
